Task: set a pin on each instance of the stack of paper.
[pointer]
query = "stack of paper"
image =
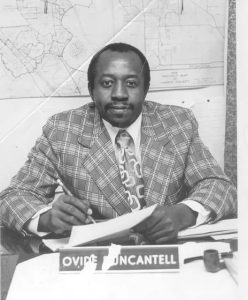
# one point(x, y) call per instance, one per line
point(224, 228)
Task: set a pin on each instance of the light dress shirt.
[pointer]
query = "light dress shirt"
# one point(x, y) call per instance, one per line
point(135, 131)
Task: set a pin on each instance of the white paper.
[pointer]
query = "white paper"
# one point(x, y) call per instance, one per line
point(88, 233)
point(221, 227)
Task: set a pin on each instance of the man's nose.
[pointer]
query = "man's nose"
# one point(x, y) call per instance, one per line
point(119, 91)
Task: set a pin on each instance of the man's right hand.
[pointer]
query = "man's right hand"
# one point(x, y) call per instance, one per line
point(66, 212)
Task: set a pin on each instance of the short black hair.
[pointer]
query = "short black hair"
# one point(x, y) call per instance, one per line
point(118, 47)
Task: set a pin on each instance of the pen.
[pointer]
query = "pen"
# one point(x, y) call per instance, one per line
point(68, 192)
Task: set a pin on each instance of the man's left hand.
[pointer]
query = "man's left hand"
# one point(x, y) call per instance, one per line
point(165, 222)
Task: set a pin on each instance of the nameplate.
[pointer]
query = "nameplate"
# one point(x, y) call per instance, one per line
point(117, 258)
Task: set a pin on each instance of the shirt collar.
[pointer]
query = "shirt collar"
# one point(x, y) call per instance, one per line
point(134, 130)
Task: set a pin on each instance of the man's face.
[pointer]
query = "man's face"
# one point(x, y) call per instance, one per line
point(119, 90)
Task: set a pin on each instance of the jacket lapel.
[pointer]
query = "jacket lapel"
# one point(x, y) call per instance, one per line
point(157, 157)
point(101, 162)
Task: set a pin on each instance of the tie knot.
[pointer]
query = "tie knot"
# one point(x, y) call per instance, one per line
point(123, 139)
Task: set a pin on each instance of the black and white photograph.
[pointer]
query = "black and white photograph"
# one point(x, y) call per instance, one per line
point(120, 174)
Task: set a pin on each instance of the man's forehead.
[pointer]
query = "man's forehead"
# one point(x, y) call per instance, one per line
point(109, 56)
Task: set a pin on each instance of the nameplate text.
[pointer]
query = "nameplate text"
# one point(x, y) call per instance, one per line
point(117, 258)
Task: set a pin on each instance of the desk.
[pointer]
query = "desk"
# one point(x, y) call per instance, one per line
point(44, 282)
point(38, 278)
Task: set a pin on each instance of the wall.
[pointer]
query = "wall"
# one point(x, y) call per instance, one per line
point(21, 119)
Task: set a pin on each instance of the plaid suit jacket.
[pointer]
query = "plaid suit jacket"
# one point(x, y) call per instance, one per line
point(75, 146)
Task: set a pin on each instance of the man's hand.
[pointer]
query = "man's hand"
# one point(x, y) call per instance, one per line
point(66, 212)
point(165, 222)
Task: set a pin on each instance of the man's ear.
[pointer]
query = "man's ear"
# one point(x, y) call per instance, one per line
point(90, 89)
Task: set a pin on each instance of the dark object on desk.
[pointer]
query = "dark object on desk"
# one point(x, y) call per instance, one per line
point(8, 264)
point(234, 245)
point(14, 249)
point(212, 261)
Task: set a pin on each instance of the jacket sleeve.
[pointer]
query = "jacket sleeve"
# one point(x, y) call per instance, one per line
point(33, 188)
point(205, 181)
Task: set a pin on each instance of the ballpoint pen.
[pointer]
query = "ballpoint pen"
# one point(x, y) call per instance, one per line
point(68, 192)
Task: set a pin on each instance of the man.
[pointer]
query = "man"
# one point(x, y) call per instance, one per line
point(81, 147)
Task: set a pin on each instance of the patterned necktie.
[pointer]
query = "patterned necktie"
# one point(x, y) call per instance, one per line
point(130, 170)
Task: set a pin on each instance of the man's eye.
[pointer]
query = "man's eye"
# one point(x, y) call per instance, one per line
point(107, 83)
point(131, 84)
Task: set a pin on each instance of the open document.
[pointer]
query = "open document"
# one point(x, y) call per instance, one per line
point(84, 234)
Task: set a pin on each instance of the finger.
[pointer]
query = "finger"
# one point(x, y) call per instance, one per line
point(88, 221)
point(161, 227)
point(160, 235)
point(166, 239)
point(71, 219)
point(79, 204)
point(141, 228)
point(82, 205)
point(147, 225)
point(73, 215)
point(59, 225)
point(163, 235)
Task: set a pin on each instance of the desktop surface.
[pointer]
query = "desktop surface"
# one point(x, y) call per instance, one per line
point(18, 254)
